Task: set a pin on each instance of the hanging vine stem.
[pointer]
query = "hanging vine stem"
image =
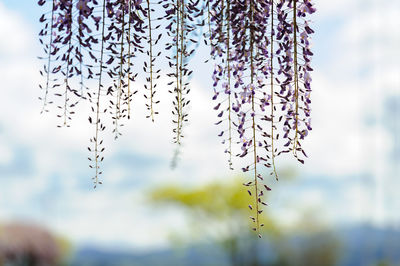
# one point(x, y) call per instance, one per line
point(175, 15)
point(178, 66)
point(179, 61)
point(223, 69)
point(80, 36)
point(296, 77)
point(129, 59)
point(228, 54)
point(182, 54)
point(257, 221)
point(150, 61)
point(272, 91)
point(69, 28)
point(209, 22)
point(96, 138)
point(121, 73)
point(222, 19)
point(183, 25)
point(49, 57)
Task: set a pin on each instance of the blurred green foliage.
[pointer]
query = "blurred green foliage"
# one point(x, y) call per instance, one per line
point(224, 202)
point(218, 213)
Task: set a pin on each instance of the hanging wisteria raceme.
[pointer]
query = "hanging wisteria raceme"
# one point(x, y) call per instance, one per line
point(149, 67)
point(65, 29)
point(262, 57)
point(294, 57)
point(184, 19)
point(261, 77)
point(120, 37)
point(219, 15)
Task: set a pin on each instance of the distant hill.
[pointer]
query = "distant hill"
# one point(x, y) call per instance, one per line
point(363, 245)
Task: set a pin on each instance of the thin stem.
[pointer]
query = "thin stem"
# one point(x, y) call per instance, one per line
point(178, 88)
point(119, 93)
point(253, 110)
point(150, 61)
point(182, 56)
point(67, 70)
point(272, 90)
point(209, 22)
point(129, 60)
point(296, 78)
point(228, 8)
point(80, 33)
point(49, 58)
point(221, 28)
point(96, 140)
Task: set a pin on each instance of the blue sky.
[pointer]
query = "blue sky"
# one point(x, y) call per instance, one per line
point(352, 174)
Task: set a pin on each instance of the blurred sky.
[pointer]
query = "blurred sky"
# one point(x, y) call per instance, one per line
point(352, 174)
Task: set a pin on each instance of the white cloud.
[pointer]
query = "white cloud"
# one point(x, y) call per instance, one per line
point(353, 87)
point(341, 143)
point(338, 8)
point(6, 152)
point(12, 44)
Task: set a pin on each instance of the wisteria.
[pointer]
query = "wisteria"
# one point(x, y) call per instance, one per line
point(184, 19)
point(262, 82)
point(261, 79)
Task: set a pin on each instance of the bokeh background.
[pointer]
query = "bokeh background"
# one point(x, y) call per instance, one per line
point(341, 208)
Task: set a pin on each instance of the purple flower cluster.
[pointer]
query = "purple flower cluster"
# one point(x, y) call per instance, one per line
point(96, 40)
point(262, 56)
point(261, 77)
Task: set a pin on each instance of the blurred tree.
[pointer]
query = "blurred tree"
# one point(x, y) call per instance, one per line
point(29, 245)
point(383, 263)
point(223, 206)
point(216, 212)
point(311, 249)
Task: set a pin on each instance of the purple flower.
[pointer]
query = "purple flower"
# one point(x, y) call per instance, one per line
point(82, 6)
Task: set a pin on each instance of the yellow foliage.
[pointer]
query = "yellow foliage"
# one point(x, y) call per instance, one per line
point(223, 202)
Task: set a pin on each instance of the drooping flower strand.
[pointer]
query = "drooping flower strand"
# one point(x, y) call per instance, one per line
point(114, 47)
point(221, 53)
point(47, 50)
point(272, 93)
point(129, 55)
point(173, 14)
point(296, 78)
point(119, 82)
point(134, 34)
point(68, 59)
point(182, 25)
point(149, 66)
point(302, 8)
point(291, 72)
point(180, 54)
point(262, 61)
point(83, 14)
point(228, 86)
point(119, 63)
point(284, 73)
point(65, 49)
point(207, 33)
point(98, 149)
point(248, 28)
point(257, 191)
